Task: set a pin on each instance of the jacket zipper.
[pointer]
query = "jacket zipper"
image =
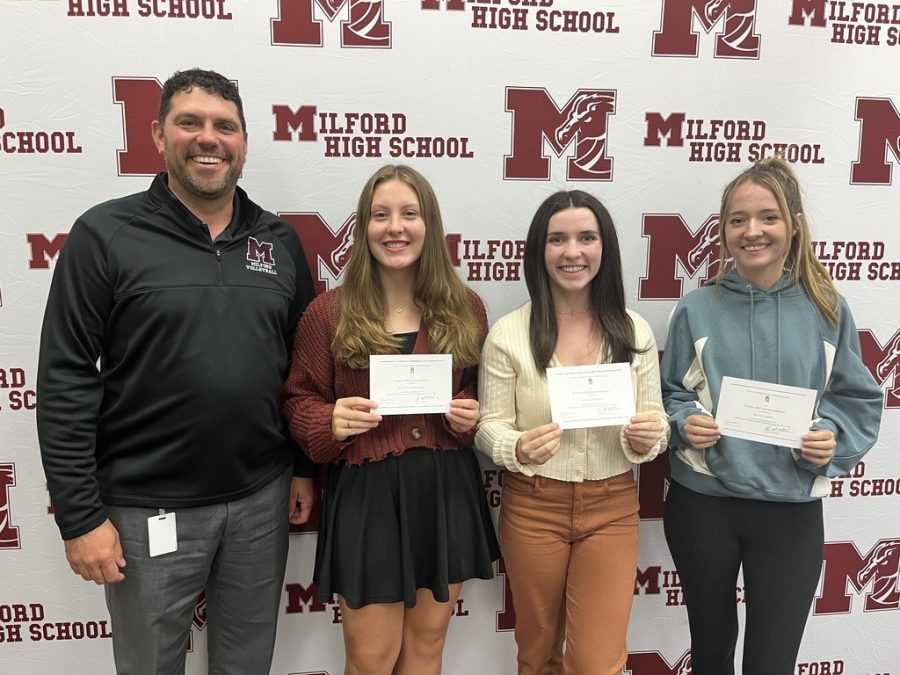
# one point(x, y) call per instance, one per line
point(219, 267)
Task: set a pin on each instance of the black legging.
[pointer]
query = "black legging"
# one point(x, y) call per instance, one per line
point(780, 546)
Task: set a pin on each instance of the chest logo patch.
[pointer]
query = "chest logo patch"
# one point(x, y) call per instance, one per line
point(260, 257)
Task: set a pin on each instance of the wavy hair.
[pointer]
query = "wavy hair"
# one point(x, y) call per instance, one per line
point(776, 174)
point(607, 293)
point(444, 300)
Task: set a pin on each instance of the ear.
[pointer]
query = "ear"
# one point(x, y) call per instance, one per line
point(798, 218)
point(158, 140)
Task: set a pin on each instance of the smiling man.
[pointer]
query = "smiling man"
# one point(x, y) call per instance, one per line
point(165, 343)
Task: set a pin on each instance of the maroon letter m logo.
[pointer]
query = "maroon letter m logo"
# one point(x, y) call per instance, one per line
point(654, 663)
point(736, 40)
point(259, 251)
point(846, 569)
point(365, 27)
point(673, 248)
point(9, 534)
point(879, 132)
point(139, 98)
point(583, 119)
point(44, 250)
point(327, 248)
point(883, 363)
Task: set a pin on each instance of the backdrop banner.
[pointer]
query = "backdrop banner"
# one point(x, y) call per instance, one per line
point(652, 106)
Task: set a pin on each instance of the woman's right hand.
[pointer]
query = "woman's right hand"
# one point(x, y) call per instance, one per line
point(352, 416)
point(701, 431)
point(538, 445)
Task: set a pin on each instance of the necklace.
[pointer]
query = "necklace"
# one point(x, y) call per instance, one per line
point(583, 311)
point(402, 307)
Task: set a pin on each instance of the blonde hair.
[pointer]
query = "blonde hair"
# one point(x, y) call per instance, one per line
point(776, 174)
point(445, 302)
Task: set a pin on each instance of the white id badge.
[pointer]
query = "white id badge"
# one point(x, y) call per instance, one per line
point(161, 533)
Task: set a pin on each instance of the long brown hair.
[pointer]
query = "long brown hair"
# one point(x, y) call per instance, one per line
point(443, 299)
point(776, 174)
point(607, 293)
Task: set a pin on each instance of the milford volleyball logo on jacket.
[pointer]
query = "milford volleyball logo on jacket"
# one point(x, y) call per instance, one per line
point(260, 257)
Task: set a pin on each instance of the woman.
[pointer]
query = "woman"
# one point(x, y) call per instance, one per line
point(772, 315)
point(569, 510)
point(404, 521)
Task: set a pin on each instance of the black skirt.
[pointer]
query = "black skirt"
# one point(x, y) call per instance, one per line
point(417, 520)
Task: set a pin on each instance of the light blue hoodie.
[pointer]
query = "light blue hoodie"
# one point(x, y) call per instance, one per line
point(778, 336)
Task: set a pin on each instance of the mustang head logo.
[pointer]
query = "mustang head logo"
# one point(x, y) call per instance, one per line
point(585, 120)
point(890, 365)
point(883, 569)
point(341, 254)
point(707, 248)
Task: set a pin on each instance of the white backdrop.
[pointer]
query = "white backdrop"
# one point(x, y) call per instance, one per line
point(653, 106)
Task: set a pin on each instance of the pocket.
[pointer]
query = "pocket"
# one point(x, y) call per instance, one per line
point(621, 501)
point(518, 483)
point(622, 483)
point(749, 468)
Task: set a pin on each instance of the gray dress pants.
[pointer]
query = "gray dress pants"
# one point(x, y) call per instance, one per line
point(235, 552)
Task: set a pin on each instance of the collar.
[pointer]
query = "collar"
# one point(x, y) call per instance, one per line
point(242, 212)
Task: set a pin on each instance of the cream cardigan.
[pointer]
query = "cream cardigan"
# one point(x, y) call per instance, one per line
point(514, 399)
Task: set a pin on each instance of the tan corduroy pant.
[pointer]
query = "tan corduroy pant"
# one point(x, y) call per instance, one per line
point(570, 551)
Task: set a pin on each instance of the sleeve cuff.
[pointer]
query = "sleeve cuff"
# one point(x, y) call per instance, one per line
point(89, 525)
point(653, 453)
point(507, 456)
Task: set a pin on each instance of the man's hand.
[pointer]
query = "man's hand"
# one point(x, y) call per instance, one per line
point(97, 555)
point(303, 496)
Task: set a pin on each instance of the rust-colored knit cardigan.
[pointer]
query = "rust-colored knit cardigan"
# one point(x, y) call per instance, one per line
point(316, 382)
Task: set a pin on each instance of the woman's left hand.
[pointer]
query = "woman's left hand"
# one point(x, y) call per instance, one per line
point(644, 431)
point(463, 414)
point(818, 446)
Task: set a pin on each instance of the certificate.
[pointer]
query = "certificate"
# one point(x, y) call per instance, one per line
point(411, 384)
point(764, 412)
point(590, 396)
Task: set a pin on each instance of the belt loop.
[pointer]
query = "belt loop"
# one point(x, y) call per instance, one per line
point(603, 486)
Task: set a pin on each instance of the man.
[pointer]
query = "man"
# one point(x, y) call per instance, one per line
point(169, 466)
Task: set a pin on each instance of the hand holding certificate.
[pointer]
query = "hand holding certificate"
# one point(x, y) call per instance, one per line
point(591, 396)
point(411, 384)
point(764, 412)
